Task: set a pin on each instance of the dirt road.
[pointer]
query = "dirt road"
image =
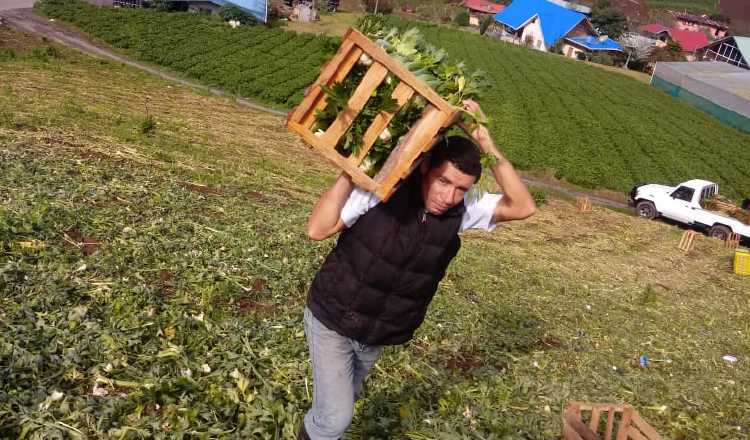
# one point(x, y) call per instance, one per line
point(26, 21)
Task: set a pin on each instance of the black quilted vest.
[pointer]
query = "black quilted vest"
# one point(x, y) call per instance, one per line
point(376, 284)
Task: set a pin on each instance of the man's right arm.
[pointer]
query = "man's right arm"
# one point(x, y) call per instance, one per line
point(325, 219)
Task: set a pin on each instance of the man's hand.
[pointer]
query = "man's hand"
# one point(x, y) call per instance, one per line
point(516, 203)
point(480, 134)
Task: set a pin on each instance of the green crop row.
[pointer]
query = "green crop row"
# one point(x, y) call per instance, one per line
point(590, 127)
point(254, 61)
point(595, 128)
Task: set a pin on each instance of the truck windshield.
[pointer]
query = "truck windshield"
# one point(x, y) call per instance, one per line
point(683, 193)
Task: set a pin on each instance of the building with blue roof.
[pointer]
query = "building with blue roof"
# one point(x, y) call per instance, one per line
point(543, 24)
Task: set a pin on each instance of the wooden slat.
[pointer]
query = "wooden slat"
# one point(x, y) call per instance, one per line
point(634, 433)
point(570, 434)
point(358, 176)
point(594, 422)
point(343, 70)
point(622, 429)
point(401, 94)
point(401, 158)
point(610, 424)
point(378, 54)
point(573, 421)
point(644, 427)
point(326, 73)
point(588, 406)
point(372, 79)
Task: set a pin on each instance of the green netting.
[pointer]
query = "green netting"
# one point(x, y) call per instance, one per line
point(725, 115)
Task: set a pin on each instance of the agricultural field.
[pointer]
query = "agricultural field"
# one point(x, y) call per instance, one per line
point(554, 115)
point(153, 269)
point(270, 65)
point(594, 128)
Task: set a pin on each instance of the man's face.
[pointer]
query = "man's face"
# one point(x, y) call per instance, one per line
point(443, 187)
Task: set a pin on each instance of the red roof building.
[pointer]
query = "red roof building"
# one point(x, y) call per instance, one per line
point(479, 9)
point(700, 23)
point(689, 40)
point(654, 28)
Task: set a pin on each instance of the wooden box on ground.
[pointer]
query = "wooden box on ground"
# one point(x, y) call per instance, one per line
point(437, 115)
point(602, 421)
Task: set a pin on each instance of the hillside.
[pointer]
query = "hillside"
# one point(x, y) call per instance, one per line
point(152, 279)
point(558, 116)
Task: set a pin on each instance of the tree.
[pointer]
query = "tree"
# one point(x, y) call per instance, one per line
point(485, 24)
point(608, 20)
point(462, 18)
point(638, 48)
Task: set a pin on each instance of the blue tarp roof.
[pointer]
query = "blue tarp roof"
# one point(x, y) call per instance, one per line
point(593, 43)
point(556, 21)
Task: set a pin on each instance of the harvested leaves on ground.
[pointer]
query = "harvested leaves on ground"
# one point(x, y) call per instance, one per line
point(185, 319)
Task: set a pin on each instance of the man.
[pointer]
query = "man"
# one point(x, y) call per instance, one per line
point(376, 284)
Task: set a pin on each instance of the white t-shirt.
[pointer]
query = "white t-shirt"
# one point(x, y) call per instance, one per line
point(478, 213)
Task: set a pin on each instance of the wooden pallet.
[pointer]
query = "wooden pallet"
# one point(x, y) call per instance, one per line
point(603, 421)
point(438, 115)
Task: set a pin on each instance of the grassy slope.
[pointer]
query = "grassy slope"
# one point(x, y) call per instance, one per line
point(528, 317)
point(590, 127)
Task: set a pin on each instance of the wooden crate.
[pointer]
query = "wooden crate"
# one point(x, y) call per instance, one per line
point(438, 115)
point(687, 241)
point(732, 241)
point(584, 204)
point(586, 421)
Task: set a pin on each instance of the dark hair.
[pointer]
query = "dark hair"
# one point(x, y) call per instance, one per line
point(459, 151)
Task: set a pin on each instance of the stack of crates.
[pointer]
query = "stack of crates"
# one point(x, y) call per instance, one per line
point(742, 261)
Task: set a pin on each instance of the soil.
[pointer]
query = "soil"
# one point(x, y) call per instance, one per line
point(202, 189)
point(633, 9)
point(247, 305)
point(87, 244)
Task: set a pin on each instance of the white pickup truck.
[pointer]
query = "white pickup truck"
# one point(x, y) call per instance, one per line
point(684, 204)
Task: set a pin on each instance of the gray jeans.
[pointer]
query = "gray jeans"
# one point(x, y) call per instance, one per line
point(339, 366)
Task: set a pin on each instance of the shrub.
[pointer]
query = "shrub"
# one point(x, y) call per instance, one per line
point(148, 125)
point(462, 18)
point(485, 24)
point(539, 195)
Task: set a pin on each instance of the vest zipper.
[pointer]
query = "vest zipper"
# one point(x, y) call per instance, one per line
point(424, 216)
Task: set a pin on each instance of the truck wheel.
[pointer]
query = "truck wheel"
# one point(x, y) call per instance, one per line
point(645, 209)
point(719, 231)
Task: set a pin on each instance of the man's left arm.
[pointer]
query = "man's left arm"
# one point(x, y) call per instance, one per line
point(516, 203)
